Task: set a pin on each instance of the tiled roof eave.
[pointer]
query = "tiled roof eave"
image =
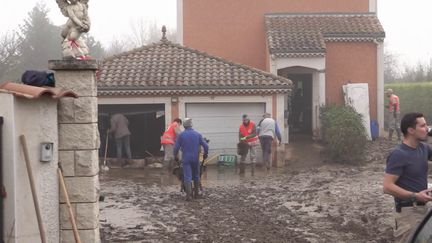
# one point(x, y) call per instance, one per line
point(354, 35)
point(177, 92)
point(321, 53)
point(353, 39)
point(299, 54)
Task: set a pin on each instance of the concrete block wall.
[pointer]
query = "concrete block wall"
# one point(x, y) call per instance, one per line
point(78, 147)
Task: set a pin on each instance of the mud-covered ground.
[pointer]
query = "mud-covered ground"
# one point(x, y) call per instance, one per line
point(306, 201)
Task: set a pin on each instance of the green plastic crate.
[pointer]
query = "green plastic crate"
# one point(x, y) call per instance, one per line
point(227, 159)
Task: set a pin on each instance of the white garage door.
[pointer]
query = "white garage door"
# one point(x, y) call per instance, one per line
point(220, 122)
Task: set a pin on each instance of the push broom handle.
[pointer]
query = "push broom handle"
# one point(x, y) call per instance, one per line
point(71, 215)
point(33, 188)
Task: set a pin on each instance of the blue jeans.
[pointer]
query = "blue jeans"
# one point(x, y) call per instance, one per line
point(266, 146)
point(123, 142)
point(191, 171)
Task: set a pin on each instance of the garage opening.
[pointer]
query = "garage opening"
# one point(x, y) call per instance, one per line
point(220, 122)
point(146, 124)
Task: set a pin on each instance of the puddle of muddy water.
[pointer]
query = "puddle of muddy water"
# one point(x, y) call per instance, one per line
point(213, 175)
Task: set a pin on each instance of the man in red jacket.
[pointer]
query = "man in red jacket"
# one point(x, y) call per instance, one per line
point(168, 140)
point(248, 135)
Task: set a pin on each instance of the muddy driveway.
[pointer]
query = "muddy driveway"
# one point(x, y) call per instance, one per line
point(304, 202)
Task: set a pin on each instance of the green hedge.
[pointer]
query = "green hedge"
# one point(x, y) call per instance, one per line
point(413, 97)
point(343, 133)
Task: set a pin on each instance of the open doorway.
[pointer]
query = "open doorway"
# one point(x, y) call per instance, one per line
point(300, 118)
point(146, 124)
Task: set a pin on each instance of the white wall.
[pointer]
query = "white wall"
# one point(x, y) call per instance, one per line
point(180, 22)
point(37, 120)
point(267, 99)
point(380, 86)
point(373, 6)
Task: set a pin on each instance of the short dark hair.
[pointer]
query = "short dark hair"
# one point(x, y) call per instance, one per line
point(409, 120)
point(178, 120)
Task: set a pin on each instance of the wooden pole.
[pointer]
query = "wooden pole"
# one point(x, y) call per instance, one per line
point(71, 215)
point(33, 189)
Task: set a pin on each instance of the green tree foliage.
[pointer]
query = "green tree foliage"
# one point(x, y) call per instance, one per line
point(40, 40)
point(9, 56)
point(343, 133)
point(95, 47)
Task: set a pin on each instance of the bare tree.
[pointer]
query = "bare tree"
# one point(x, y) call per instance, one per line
point(145, 31)
point(9, 54)
point(391, 67)
point(117, 46)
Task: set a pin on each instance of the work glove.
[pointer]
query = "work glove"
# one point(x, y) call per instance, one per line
point(243, 138)
point(205, 156)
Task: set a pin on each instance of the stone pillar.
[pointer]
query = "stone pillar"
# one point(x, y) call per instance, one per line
point(78, 147)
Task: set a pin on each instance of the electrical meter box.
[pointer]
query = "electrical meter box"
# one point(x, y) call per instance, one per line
point(47, 152)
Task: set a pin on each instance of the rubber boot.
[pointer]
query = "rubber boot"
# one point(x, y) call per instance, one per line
point(253, 169)
point(196, 189)
point(390, 134)
point(398, 132)
point(242, 168)
point(188, 189)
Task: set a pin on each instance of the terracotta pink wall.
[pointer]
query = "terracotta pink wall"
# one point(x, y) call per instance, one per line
point(355, 62)
point(234, 29)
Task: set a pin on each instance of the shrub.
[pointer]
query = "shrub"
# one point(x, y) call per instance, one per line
point(343, 133)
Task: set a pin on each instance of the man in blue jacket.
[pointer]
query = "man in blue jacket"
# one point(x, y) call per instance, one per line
point(189, 142)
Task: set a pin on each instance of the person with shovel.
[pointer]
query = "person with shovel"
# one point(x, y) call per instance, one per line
point(120, 130)
point(190, 141)
point(247, 136)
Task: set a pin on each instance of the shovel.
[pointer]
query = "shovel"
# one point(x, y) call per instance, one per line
point(104, 164)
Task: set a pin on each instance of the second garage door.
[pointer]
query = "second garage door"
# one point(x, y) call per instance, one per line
point(220, 122)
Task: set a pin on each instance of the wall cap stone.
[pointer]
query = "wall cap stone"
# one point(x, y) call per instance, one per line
point(72, 64)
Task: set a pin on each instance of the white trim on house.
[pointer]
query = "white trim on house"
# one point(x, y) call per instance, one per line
point(224, 99)
point(317, 64)
point(380, 86)
point(280, 117)
point(180, 22)
point(373, 6)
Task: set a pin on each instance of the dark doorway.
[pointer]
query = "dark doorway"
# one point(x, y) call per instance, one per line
point(146, 124)
point(300, 118)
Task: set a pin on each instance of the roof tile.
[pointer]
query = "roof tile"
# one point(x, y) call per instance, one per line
point(296, 34)
point(34, 92)
point(165, 66)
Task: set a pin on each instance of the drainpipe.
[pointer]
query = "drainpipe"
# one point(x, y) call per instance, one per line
point(2, 189)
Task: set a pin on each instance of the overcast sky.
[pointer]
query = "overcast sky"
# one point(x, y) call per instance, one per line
point(407, 23)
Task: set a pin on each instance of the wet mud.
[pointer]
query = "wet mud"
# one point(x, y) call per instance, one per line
point(305, 201)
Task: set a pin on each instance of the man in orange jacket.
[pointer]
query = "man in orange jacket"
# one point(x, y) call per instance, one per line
point(168, 140)
point(248, 134)
point(394, 114)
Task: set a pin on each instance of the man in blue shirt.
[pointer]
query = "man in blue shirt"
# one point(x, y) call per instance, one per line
point(190, 141)
point(406, 175)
